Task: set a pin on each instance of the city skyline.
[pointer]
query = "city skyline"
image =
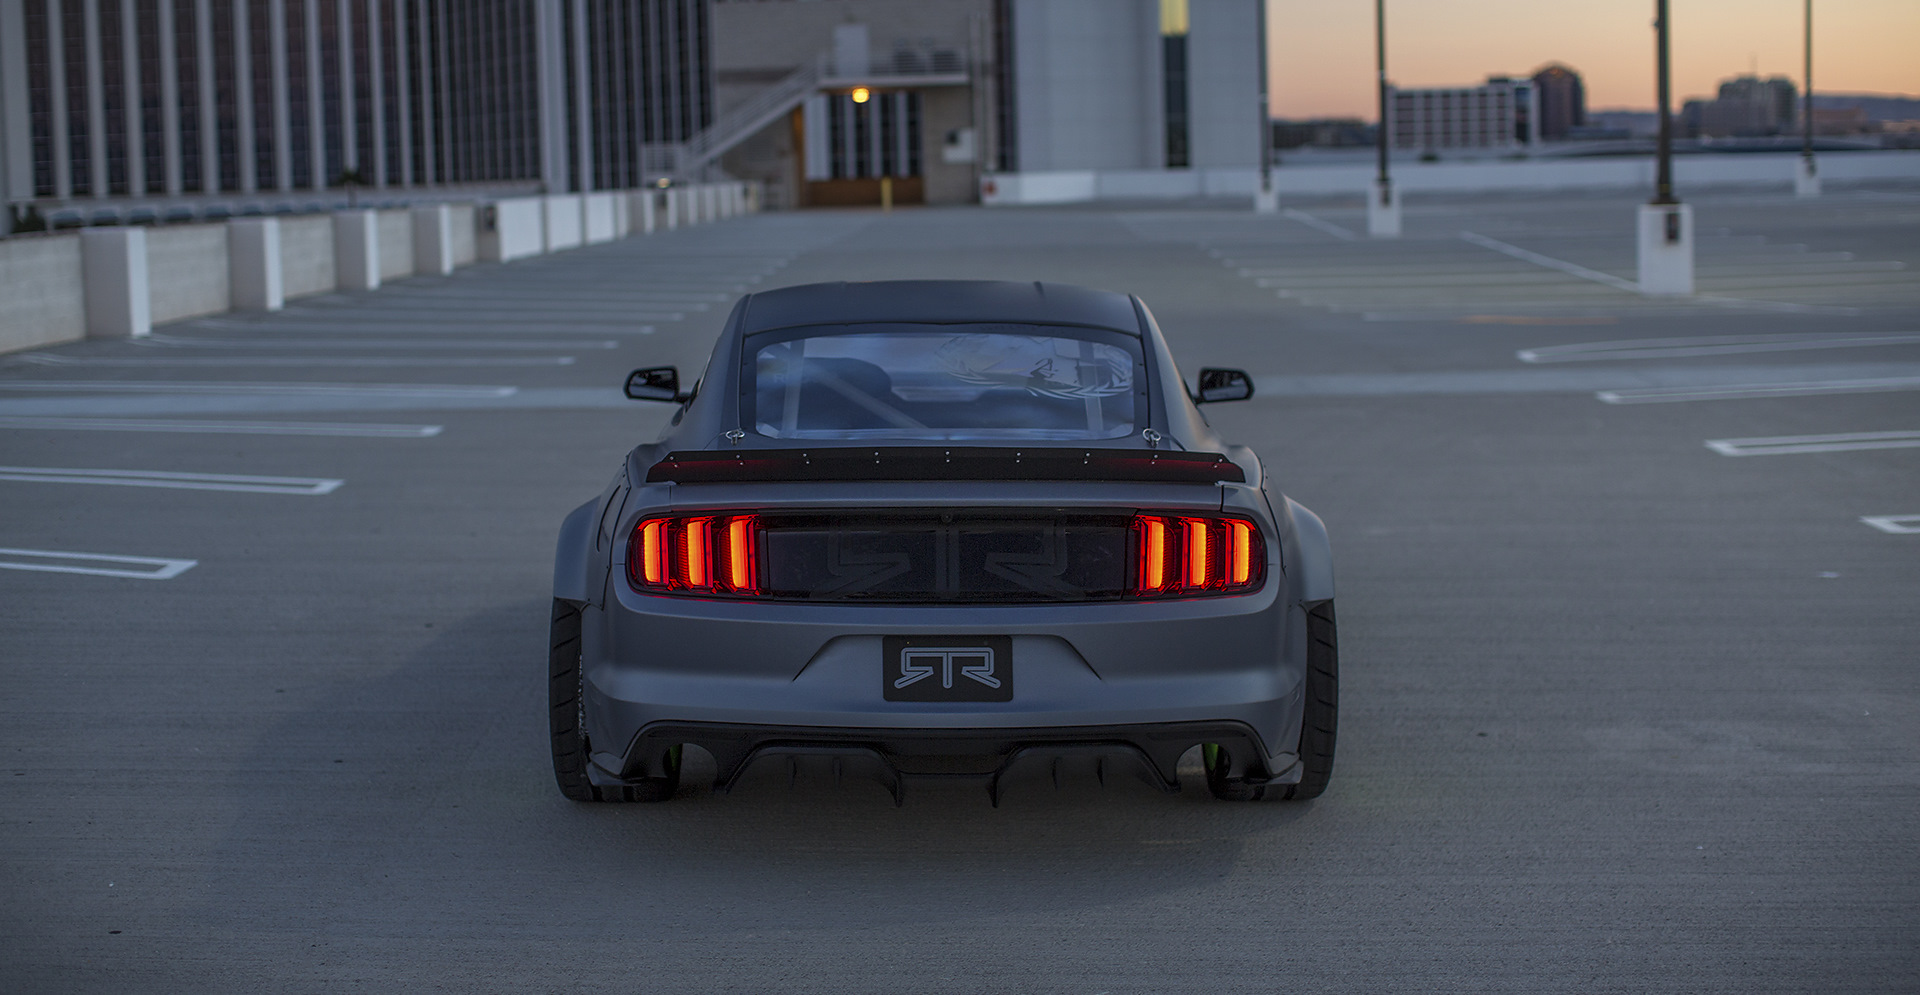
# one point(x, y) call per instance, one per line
point(1321, 55)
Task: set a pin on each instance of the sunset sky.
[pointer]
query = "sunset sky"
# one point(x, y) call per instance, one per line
point(1322, 50)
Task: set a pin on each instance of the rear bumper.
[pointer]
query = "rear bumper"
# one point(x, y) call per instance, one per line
point(1150, 751)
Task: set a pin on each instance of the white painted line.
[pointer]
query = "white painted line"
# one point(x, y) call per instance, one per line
point(1654, 395)
point(213, 387)
point(1900, 525)
point(1551, 263)
point(209, 426)
point(1784, 306)
point(1708, 345)
point(1326, 226)
point(178, 481)
point(1786, 445)
point(303, 362)
point(345, 342)
point(158, 569)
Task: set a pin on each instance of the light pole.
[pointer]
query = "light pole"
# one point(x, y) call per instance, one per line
point(1666, 225)
point(1265, 199)
point(1383, 206)
point(1806, 180)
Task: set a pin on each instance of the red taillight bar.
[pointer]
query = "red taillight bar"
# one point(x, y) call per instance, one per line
point(708, 554)
point(1188, 555)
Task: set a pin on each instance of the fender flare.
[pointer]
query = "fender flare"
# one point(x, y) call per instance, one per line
point(1314, 552)
point(574, 554)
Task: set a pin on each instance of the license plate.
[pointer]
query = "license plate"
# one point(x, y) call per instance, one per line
point(947, 668)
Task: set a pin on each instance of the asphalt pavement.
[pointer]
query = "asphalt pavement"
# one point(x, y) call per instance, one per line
point(1627, 594)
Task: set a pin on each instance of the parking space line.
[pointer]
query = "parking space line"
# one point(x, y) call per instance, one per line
point(1729, 392)
point(1894, 524)
point(201, 342)
point(242, 483)
point(295, 361)
point(1709, 345)
point(64, 563)
point(1785, 445)
point(213, 387)
point(209, 426)
point(1551, 263)
point(1326, 226)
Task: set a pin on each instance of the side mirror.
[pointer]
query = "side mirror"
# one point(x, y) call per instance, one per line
point(656, 383)
point(1223, 385)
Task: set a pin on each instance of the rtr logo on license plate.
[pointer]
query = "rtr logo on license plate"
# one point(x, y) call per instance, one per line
point(947, 668)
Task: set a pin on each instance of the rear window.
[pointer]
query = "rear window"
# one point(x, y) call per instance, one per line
point(944, 383)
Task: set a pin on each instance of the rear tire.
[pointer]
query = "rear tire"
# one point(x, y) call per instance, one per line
point(1317, 723)
point(565, 723)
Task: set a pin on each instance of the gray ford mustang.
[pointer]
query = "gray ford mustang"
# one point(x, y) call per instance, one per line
point(942, 529)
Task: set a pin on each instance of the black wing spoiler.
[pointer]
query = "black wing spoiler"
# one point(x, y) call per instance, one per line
point(943, 463)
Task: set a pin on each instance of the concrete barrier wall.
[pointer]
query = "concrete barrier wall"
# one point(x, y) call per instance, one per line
point(598, 210)
point(396, 243)
point(518, 229)
point(187, 271)
point(464, 248)
point(45, 302)
point(193, 270)
point(563, 221)
point(306, 255)
point(1621, 173)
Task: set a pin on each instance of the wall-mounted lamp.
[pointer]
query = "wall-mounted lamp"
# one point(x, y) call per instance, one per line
point(861, 94)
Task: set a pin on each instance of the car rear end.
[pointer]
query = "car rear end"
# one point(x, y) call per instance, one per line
point(943, 628)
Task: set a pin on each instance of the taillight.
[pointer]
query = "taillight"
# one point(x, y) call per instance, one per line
point(698, 554)
point(1187, 555)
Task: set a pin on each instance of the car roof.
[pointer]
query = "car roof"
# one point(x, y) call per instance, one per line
point(938, 302)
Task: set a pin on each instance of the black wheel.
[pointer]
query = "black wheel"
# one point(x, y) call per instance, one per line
point(564, 722)
point(1317, 725)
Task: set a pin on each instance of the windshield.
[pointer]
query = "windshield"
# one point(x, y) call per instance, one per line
point(945, 383)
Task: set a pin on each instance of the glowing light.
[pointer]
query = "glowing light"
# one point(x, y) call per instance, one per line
point(1153, 558)
point(653, 553)
point(740, 553)
point(1242, 552)
point(1199, 565)
point(861, 94)
point(694, 544)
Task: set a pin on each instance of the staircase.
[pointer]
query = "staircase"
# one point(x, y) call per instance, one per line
point(689, 158)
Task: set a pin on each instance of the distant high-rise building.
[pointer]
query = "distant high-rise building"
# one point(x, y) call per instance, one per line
point(264, 99)
point(1502, 114)
point(1563, 101)
point(1747, 107)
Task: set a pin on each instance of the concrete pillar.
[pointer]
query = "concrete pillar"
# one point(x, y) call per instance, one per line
point(672, 204)
point(356, 250)
point(1383, 210)
point(253, 264)
point(1265, 201)
point(643, 210)
point(753, 198)
point(1666, 250)
point(1806, 177)
point(113, 274)
point(710, 203)
point(433, 240)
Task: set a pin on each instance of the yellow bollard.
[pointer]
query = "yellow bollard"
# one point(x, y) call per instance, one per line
point(886, 193)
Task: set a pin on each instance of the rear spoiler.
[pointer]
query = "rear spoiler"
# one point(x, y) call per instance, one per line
point(938, 463)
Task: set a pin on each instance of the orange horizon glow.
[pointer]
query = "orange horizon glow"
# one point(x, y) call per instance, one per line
point(1321, 55)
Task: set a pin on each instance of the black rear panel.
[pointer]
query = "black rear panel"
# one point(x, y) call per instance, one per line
point(946, 557)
